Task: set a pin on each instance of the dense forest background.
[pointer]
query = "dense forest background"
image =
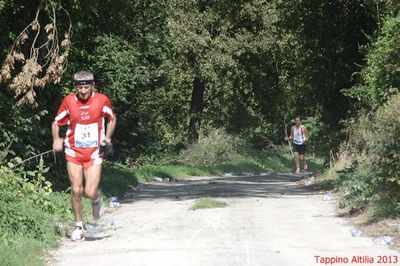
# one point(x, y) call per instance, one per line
point(176, 70)
point(200, 87)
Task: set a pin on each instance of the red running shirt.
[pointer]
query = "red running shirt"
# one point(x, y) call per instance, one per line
point(86, 123)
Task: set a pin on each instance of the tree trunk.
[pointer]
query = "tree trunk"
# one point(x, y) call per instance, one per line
point(196, 110)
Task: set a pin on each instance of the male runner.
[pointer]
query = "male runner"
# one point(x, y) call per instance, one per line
point(85, 112)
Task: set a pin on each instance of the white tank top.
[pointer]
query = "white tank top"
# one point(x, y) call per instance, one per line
point(298, 135)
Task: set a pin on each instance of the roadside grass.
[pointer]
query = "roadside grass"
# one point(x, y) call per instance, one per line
point(327, 180)
point(281, 160)
point(34, 220)
point(22, 251)
point(378, 218)
point(174, 172)
point(237, 166)
point(375, 214)
point(207, 203)
point(117, 178)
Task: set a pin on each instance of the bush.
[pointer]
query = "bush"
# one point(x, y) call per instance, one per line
point(216, 147)
point(30, 215)
point(357, 188)
point(24, 207)
point(372, 152)
point(384, 142)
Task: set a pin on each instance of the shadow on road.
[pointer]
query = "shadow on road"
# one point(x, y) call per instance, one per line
point(274, 185)
point(96, 238)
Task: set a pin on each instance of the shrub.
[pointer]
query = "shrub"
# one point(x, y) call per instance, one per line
point(372, 152)
point(24, 205)
point(357, 188)
point(30, 214)
point(216, 147)
point(384, 142)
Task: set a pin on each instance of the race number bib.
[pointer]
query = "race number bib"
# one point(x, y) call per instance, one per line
point(86, 136)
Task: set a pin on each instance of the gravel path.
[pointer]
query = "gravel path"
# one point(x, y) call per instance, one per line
point(270, 220)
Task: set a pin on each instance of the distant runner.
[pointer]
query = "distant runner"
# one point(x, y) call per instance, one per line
point(299, 135)
point(85, 113)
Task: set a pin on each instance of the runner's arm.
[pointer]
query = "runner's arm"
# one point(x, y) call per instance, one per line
point(291, 134)
point(111, 125)
point(57, 140)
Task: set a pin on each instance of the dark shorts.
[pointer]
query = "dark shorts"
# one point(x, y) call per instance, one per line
point(300, 149)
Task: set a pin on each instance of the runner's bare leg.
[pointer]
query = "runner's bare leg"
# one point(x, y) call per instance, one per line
point(297, 160)
point(92, 181)
point(302, 160)
point(75, 173)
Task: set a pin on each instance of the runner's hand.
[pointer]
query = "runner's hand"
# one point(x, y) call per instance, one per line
point(58, 144)
point(109, 152)
point(106, 150)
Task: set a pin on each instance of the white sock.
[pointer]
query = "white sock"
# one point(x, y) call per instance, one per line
point(79, 224)
point(97, 200)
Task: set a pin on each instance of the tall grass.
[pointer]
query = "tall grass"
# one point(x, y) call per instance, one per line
point(22, 251)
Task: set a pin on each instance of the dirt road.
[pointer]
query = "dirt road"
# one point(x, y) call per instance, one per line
point(269, 221)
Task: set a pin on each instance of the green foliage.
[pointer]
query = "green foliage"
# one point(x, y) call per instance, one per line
point(383, 152)
point(361, 189)
point(32, 217)
point(246, 160)
point(155, 124)
point(323, 58)
point(215, 147)
point(372, 150)
point(24, 205)
point(259, 60)
point(174, 172)
point(380, 77)
point(116, 179)
point(370, 156)
point(24, 136)
point(20, 251)
point(60, 207)
point(322, 135)
point(357, 188)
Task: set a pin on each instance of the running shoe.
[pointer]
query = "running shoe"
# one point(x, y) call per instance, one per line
point(77, 234)
point(297, 171)
point(305, 167)
point(97, 207)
